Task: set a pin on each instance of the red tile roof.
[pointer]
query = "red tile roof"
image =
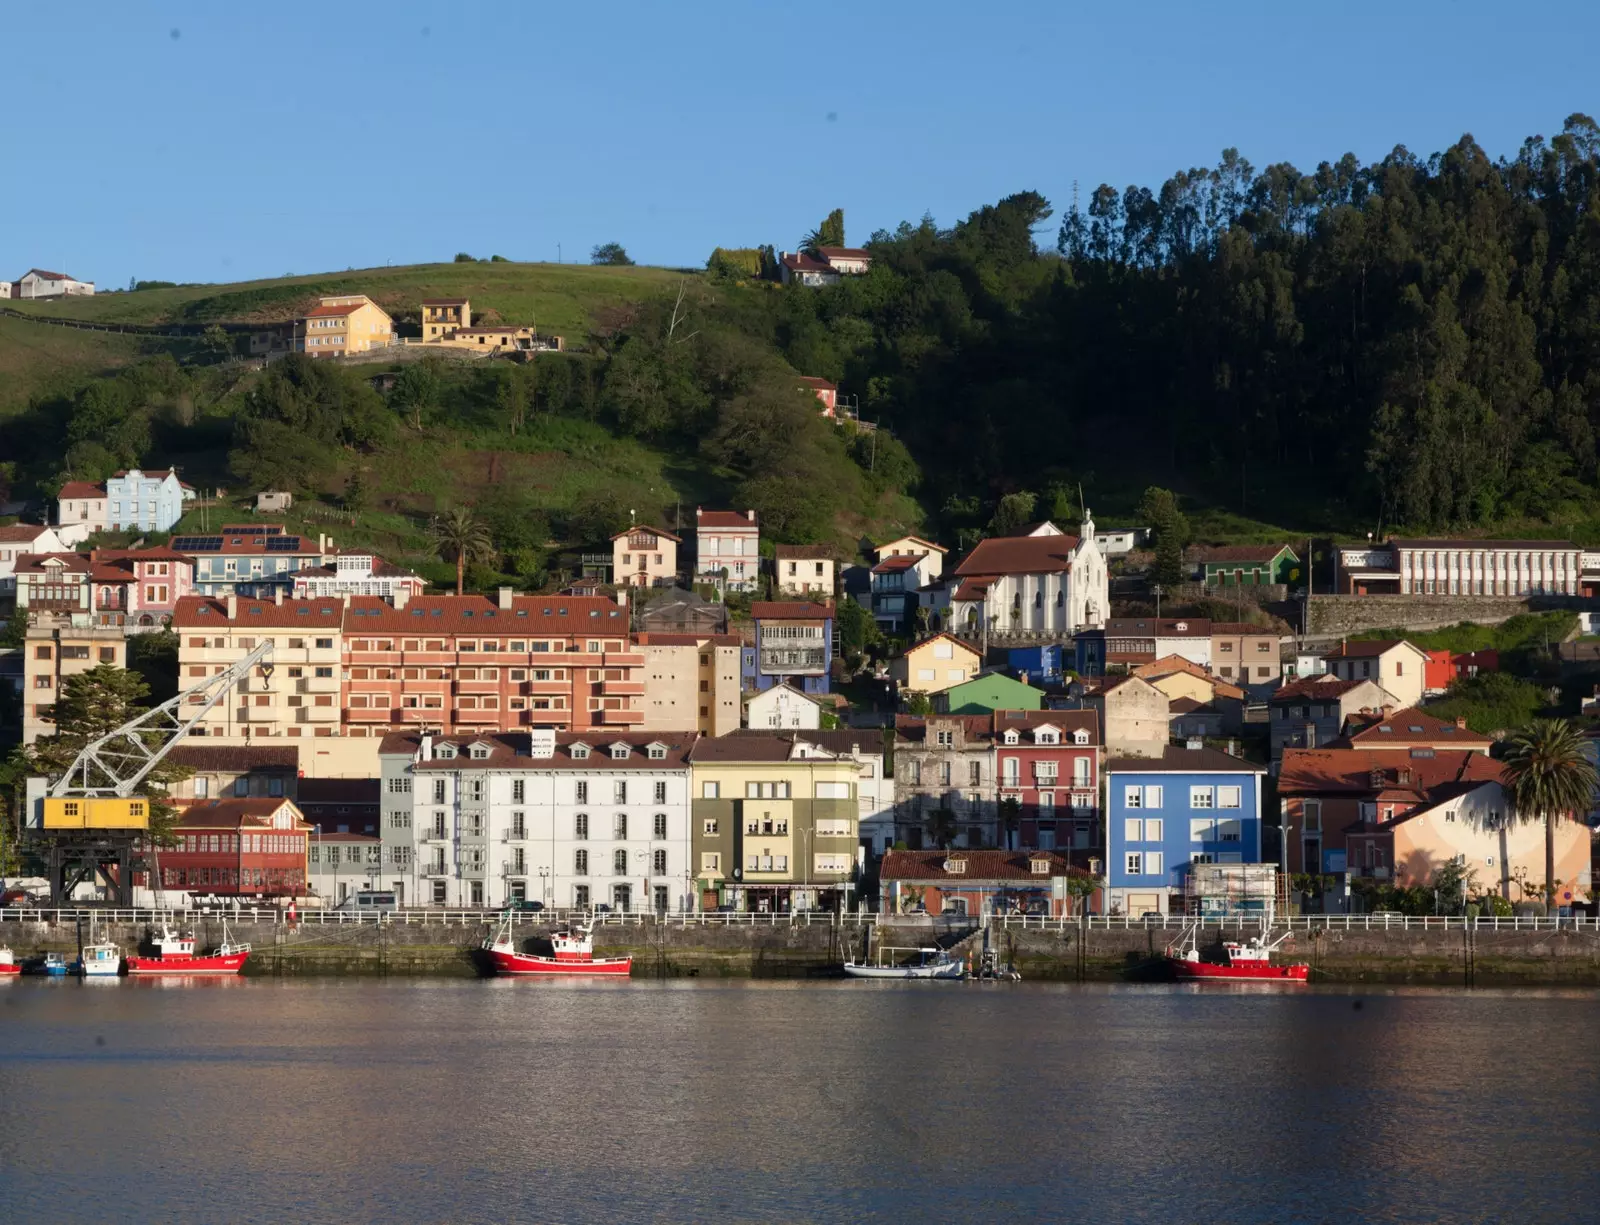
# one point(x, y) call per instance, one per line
point(799, 261)
point(843, 253)
point(1175, 760)
point(479, 616)
point(724, 519)
point(914, 728)
point(1317, 687)
point(195, 611)
point(1370, 771)
point(444, 302)
point(816, 384)
point(331, 312)
point(510, 750)
point(1001, 555)
point(23, 532)
point(240, 757)
point(237, 814)
point(1066, 720)
point(790, 610)
point(802, 552)
point(82, 489)
point(1411, 726)
point(49, 276)
point(898, 562)
point(980, 866)
point(1164, 627)
point(1441, 543)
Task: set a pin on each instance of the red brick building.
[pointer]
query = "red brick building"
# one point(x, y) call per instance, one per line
point(1049, 762)
point(973, 883)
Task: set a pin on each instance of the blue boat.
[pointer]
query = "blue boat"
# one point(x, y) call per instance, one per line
point(53, 964)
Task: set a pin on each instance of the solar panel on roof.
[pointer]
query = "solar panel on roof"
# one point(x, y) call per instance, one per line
point(197, 544)
point(282, 544)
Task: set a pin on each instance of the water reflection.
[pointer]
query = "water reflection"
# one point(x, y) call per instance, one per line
point(421, 1101)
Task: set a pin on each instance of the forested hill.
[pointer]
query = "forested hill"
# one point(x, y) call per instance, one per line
point(1414, 341)
point(1412, 344)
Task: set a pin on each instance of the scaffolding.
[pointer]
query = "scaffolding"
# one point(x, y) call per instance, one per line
point(1223, 890)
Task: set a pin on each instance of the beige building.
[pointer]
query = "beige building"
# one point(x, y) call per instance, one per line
point(691, 681)
point(775, 822)
point(54, 651)
point(936, 664)
point(297, 695)
point(443, 316)
point(1134, 714)
point(1397, 665)
point(782, 708)
point(1245, 654)
point(343, 325)
point(801, 569)
point(644, 556)
point(81, 506)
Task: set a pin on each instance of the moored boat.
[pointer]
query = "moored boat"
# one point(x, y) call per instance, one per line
point(8, 962)
point(1241, 961)
point(54, 965)
point(573, 947)
point(931, 963)
point(175, 955)
point(100, 960)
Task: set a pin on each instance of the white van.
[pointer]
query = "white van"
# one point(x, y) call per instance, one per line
point(377, 901)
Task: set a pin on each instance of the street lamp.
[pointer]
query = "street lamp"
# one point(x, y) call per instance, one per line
point(544, 883)
point(1156, 591)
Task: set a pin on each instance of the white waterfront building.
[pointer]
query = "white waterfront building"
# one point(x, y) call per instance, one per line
point(570, 819)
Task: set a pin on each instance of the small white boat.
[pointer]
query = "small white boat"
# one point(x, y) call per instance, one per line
point(926, 963)
point(99, 959)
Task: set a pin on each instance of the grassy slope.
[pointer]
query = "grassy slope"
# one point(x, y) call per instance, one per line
point(38, 360)
point(561, 298)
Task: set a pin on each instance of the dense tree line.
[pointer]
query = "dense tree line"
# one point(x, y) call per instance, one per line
point(1412, 341)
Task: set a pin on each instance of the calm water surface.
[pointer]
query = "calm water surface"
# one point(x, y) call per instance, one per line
point(410, 1101)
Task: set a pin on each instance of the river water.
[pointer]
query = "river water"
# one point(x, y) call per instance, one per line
point(401, 1101)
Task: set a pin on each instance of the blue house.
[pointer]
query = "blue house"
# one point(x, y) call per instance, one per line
point(1190, 806)
point(145, 501)
point(253, 559)
point(1042, 663)
point(793, 642)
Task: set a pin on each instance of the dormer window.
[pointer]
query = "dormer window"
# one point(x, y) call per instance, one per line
point(1039, 866)
point(619, 752)
point(447, 751)
point(580, 752)
point(1080, 737)
point(1011, 737)
point(657, 752)
point(1046, 735)
point(955, 865)
point(479, 752)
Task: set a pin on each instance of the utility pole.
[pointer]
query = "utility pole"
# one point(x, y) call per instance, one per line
point(1156, 591)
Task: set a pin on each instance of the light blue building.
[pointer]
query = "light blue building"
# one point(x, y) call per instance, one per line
point(1042, 663)
point(1191, 806)
point(145, 501)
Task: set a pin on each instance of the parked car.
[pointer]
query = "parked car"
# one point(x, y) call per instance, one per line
point(18, 897)
point(527, 904)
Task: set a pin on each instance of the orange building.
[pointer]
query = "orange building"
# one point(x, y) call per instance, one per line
point(467, 664)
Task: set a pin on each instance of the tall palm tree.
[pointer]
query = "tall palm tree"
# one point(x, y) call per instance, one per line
point(1547, 778)
point(460, 536)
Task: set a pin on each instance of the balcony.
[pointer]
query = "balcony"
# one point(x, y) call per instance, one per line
point(382, 658)
point(556, 659)
point(623, 659)
point(622, 688)
point(469, 715)
point(367, 714)
point(476, 686)
point(316, 684)
point(422, 714)
point(547, 689)
point(545, 718)
point(434, 659)
point(1367, 559)
point(616, 718)
point(317, 714)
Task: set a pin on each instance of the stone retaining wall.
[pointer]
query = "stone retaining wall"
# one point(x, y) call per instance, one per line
point(1352, 614)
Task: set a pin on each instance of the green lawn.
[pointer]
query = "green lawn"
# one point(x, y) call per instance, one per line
point(37, 360)
point(560, 298)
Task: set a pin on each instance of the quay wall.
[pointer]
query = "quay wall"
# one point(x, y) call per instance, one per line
point(1442, 956)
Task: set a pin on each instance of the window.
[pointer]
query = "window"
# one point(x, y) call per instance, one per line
point(1200, 797)
point(658, 863)
point(1229, 797)
point(1229, 831)
point(580, 862)
point(1154, 797)
point(1311, 816)
point(661, 792)
point(1133, 797)
point(1133, 863)
point(399, 786)
point(518, 790)
point(519, 825)
point(1202, 829)
point(974, 774)
point(619, 793)
point(944, 739)
point(711, 862)
point(1012, 772)
point(619, 826)
point(659, 825)
point(619, 863)
point(1152, 830)
point(709, 827)
point(710, 791)
point(833, 791)
point(580, 791)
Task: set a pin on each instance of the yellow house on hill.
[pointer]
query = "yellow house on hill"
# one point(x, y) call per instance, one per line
point(442, 316)
point(338, 326)
point(448, 322)
point(936, 664)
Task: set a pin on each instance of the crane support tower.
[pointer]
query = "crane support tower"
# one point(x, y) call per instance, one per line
point(89, 822)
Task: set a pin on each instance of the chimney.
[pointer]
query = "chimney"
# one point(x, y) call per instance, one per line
point(1405, 776)
point(503, 599)
point(425, 752)
point(277, 596)
point(750, 515)
point(233, 607)
point(322, 543)
point(698, 511)
point(1233, 748)
point(1461, 721)
point(401, 596)
point(1388, 709)
point(345, 599)
point(622, 597)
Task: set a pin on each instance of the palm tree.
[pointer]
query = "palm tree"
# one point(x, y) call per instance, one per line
point(1547, 776)
point(460, 536)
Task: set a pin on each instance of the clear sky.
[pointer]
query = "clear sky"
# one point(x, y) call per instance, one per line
point(225, 141)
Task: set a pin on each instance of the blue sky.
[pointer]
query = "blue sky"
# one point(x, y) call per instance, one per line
point(221, 142)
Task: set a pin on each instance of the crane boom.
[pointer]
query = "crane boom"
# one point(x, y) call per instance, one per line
point(116, 763)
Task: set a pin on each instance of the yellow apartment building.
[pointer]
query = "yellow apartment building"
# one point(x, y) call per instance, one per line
point(775, 823)
point(296, 693)
point(644, 556)
point(339, 326)
point(691, 681)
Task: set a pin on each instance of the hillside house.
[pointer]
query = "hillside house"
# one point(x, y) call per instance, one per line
point(804, 569)
point(145, 501)
point(1131, 642)
point(37, 283)
point(339, 326)
point(727, 549)
point(644, 556)
point(944, 773)
point(827, 393)
point(1048, 763)
point(936, 664)
point(1243, 565)
point(441, 317)
point(1133, 713)
point(691, 680)
point(18, 540)
point(975, 883)
point(782, 708)
point(274, 501)
point(987, 692)
point(1397, 665)
point(1311, 713)
point(793, 642)
point(1468, 567)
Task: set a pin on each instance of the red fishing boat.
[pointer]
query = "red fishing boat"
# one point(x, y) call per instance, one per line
point(8, 962)
point(175, 955)
point(574, 953)
point(1242, 961)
